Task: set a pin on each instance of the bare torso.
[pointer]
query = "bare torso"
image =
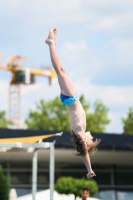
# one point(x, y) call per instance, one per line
point(77, 118)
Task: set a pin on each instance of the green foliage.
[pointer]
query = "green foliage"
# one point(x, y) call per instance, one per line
point(53, 115)
point(97, 120)
point(70, 185)
point(4, 186)
point(128, 122)
point(3, 121)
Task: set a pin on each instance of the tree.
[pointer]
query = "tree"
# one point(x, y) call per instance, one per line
point(4, 186)
point(70, 185)
point(97, 120)
point(128, 122)
point(53, 115)
point(3, 121)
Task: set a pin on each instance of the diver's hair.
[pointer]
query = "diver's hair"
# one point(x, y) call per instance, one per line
point(93, 148)
point(80, 146)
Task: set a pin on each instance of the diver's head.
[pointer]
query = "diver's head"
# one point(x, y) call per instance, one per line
point(85, 143)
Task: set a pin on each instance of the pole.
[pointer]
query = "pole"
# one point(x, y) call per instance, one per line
point(34, 174)
point(51, 176)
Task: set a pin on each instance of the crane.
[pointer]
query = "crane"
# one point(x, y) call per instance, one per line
point(20, 76)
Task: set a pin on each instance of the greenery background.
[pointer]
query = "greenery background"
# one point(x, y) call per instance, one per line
point(53, 115)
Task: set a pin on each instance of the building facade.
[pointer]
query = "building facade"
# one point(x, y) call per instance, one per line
point(113, 165)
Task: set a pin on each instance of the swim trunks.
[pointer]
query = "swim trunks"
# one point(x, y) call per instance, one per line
point(67, 100)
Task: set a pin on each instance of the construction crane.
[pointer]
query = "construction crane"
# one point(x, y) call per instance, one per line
point(20, 76)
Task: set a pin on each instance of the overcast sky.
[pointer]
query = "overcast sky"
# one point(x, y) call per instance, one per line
point(94, 43)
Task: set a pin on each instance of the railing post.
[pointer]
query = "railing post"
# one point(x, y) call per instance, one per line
point(51, 171)
point(34, 174)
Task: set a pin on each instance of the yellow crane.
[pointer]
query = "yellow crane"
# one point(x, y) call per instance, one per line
point(20, 76)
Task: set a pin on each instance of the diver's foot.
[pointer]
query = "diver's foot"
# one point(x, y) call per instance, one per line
point(51, 37)
point(55, 33)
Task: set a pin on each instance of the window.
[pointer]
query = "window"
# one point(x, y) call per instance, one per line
point(21, 178)
point(123, 178)
point(43, 178)
point(103, 178)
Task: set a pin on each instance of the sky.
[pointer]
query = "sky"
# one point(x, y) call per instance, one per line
point(94, 44)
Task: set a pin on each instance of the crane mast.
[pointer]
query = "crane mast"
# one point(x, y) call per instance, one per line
point(14, 105)
point(20, 76)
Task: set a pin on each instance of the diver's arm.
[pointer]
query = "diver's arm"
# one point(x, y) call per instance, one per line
point(87, 162)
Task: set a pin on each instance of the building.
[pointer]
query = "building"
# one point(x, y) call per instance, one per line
point(113, 164)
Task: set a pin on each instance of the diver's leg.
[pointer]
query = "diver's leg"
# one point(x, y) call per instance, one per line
point(66, 85)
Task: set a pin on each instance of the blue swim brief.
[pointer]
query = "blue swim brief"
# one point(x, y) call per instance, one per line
point(67, 100)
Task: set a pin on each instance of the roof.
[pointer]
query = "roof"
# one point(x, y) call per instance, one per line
point(122, 142)
point(118, 142)
point(27, 136)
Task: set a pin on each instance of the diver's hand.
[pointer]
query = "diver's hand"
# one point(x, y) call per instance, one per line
point(91, 174)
